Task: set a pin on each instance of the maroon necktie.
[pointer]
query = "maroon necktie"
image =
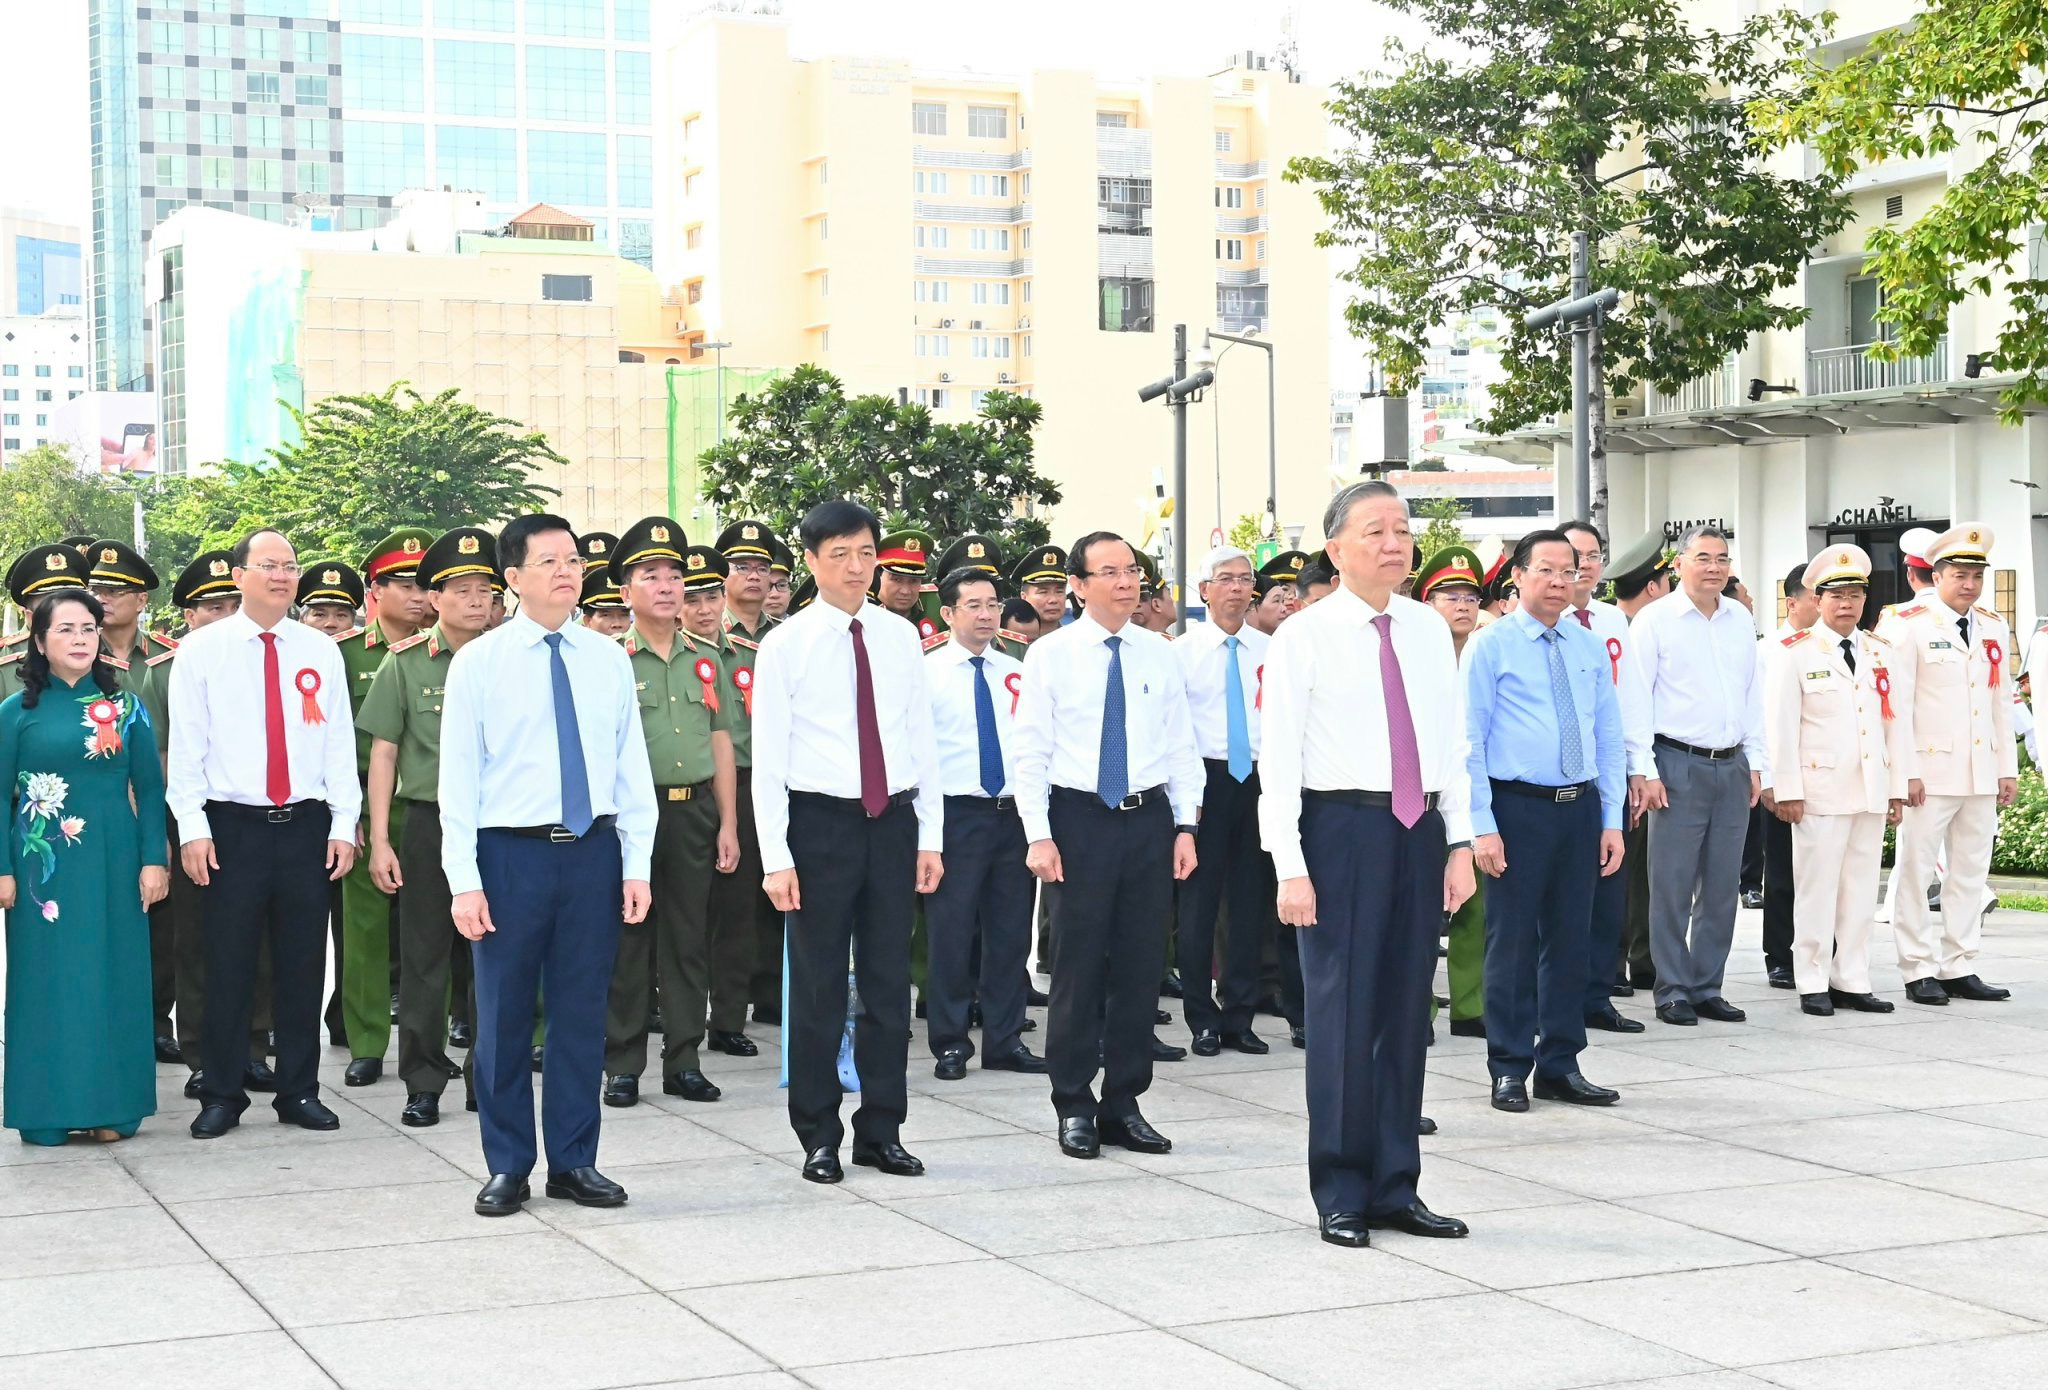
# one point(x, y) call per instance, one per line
point(277, 772)
point(1404, 759)
point(874, 770)
point(1585, 618)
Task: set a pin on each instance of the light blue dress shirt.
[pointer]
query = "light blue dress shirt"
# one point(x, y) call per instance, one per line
point(1512, 721)
point(499, 763)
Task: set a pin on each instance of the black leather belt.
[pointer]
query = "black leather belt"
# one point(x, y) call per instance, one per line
point(902, 798)
point(1129, 803)
point(557, 834)
point(273, 815)
point(1536, 791)
point(981, 803)
point(1357, 798)
point(1712, 754)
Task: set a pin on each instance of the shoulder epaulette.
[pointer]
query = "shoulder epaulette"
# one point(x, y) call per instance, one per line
point(936, 640)
point(166, 642)
point(352, 632)
point(16, 640)
point(12, 657)
point(1885, 641)
point(372, 635)
point(743, 643)
point(160, 656)
point(1013, 636)
point(1796, 638)
point(119, 663)
point(412, 641)
point(1988, 613)
point(1913, 612)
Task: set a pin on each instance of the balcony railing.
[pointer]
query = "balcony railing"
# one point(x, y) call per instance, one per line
point(1254, 169)
point(1716, 390)
point(1124, 257)
point(1122, 151)
point(927, 157)
point(1123, 217)
point(1837, 371)
point(1241, 323)
point(1255, 276)
point(970, 269)
point(969, 212)
point(1227, 223)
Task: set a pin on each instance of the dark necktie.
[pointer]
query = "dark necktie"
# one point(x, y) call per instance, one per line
point(874, 768)
point(1585, 618)
point(1112, 770)
point(1963, 626)
point(1571, 746)
point(985, 729)
point(277, 771)
point(1849, 654)
point(1404, 759)
point(576, 816)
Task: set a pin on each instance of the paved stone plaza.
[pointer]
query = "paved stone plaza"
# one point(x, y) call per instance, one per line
point(1856, 1201)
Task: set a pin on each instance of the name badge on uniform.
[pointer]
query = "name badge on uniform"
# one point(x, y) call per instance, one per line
point(1939, 645)
point(639, 685)
point(1818, 675)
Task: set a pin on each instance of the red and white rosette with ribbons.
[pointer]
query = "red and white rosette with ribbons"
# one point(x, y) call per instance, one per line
point(1259, 696)
point(707, 672)
point(308, 683)
point(1994, 654)
point(926, 628)
point(1614, 657)
point(743, 681)
point(1014, 683)
point(1882, 679)
point(106, 738)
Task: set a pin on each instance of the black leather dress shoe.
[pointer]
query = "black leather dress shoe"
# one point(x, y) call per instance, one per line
point(622, 1091)
point(1035, 998)
point(1819, 1005)
point(1079, 1138)
point(1861, 1003)
point(214, 1121)
point(1621, 989)
point(460, 1034)
point(308, 1114)
point(1018, 1058)
point(1133, 1133)
point(540, 1056)
point(364, 1071)
point(1926, 991)
point(1779, 977)
point(951, 1066)
point(257, 1076)
point(1344, 1228)
point(451, 1069)
point(504, 1194)
point(1160, 1018)
point(422, 1108)
point(891, 1158)
point(1468, 1027)
point(1613, 1020)
point(167, 1049)
point(1752, 898)
point(1678, 1011)
point(1573, 1089)
point(822, 1165)
point(1970, 987)
point(1510, 1094)
point(1719, 1010)
point(732, 1044)
point(1418, 1220)
point(691, 1085)
point(1296, 1036)
point(1171, 987)
point(1029, 1025)
point(586, 1187)
point(1247, 1041)
point(1164, 1051)
point(1425, 1126)
point(1208, 1042)
point(192, 1084)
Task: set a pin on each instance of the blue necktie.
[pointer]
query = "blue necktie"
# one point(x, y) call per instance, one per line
point(569, 744)
point(1112, 773)
point(1237, 731)
point(985, 727)
point(1570, 746)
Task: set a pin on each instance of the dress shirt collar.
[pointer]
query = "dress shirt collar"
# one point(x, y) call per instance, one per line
point(1935, 598)
point(246, 630)
point(952, 653)
point(1090, 631)
point(1208, 634)
point(1722, 608)
point(1532, 627)
point(1357, 612)
point(527, 633)
point(839, 620)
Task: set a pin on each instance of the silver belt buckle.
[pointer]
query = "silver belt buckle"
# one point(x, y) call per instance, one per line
point(278, 815)
point(1568, 793)
point(1131, 802)
point(561, 835)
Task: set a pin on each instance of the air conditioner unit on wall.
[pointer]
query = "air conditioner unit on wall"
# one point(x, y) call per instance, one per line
point(945, 376)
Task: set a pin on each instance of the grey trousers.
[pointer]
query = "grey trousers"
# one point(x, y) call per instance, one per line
point(1695, 869)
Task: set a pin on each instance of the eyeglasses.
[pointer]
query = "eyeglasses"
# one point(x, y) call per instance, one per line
point(271, 569)
point(749, 567)
point(1115, 572)
point(1456, 600)
point(1544, 574)
point(550, 565)
point(1710, 561)
point(1235, 581)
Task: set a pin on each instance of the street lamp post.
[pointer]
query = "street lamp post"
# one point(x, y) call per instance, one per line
point(1272, 420)
point(719, 349)
point(1179, 387)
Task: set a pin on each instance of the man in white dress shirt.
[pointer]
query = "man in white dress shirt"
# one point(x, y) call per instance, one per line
point(1700, 686)
point(848, 803)
point(986, 894)
point(547, 833)
point(1223, 661)
point(1109, 786)
point(1365, 808)
point(262, 781)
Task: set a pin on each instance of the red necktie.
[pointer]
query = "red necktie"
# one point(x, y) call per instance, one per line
point(1585, 618)
point(874, 771)
point(277, 772)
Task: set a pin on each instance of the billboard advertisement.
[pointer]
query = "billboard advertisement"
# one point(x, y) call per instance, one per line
point(109, 432)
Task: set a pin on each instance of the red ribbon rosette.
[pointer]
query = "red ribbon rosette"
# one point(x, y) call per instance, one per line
point(106, 739)
point(707, 672)
point(1614, 657)
point(927, 628)
point(743, 678)
point(1259, 697)
point(1882, 679)
point(1014, 683)
point(1995, 654)
point(308, 682)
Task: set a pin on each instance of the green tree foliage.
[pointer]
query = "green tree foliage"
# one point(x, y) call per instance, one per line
point(1523, 121)
point(1443, 516)
point(802, 440)
point(43, 498)
point(1247, 531)
point(1968, 80)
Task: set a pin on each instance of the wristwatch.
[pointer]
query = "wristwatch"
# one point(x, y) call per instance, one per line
point(1184, 830)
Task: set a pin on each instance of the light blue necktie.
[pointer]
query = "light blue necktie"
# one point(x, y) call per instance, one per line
point(985, 729)
point(1571, 750)
point(569, 744)
point(1112, 773)
point(1237, 730)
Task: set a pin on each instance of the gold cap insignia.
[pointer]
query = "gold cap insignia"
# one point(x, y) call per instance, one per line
point(1843, 558)
point(1973, 537)
point(696, 562)
point(466, 545)
point(53, 562)
point(111, 556)
point(594, 546)
point(913, 545)
point(216, 568)
point(659, 533)
point(330, 576)
point(411, 545)
point(1049, 559)
point(976, 550)
point(750, 533)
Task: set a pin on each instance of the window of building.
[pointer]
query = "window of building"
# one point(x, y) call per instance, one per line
point(930, 182)
point(381, 11)
point(42, 395)
point(167, 84)
point(167, 36)
point(1027, 291)
point(1027, 345)
point(261, 132)
point(633, 88)
point(928, 118)
point(629, 20)
point(695, 292)
point(988, 122)
point(1232, 197)
point(10, 369)
point(1223, 142)
point(1130, 193)
point(636, 171)
point(73, 395)
point(1024, 185)
point(1260, 248)
point(824, 228)
point(167, 127)
point(215, 127)
point(311, 133)
point(213, 40)
point(382, 72)
point(168, 170)
point(980, 346)
point(1027, 239)
point(566, 167)
point(260, 86)
point(315, 176)
point(218, 84)
point(473, 78)
point(309, 46)
point(825, 285)
point(1229, 249)
point(989, 185)
point(266, 176)
point(384, 157)
point(824, 173)
point(1124, 306)
point(636, 241)
point(262, 45)
point(490, 16)
point(1112, 120)
point(934, 237)
point(215, 171)
point(10, 420)
point(693, 238)
point(42, 370)
point(75, 372)
point(565, 84)
point(10, 443)
point(566, 287)
point(479, 159)
point(1259, 197)
point(42, 422)
point(566, 19)
point(309, 90)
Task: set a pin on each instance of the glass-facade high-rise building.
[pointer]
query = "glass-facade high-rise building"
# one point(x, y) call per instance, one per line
point(333, 107)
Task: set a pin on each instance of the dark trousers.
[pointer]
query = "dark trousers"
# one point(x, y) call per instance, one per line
point(672, 940)
point(1777, 894)
point(163, 966)
point(1539, 913)
point(984, 899)
point(271, 886)
point(1229, 872)
point(337, 1027)
point(1368, 964)
point(1635, 921)
point(858, 881)
point(1109, 935)
point(1604, 959)
point(1752, 872)
point(426, 950)
point(556, 910)
point(188, 925)
point(741, 912)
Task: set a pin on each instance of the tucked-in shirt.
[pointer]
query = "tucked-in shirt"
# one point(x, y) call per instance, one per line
point(805, 733)
point(1697, 679)
point(500, 765)
point(950, 675)
point(1059, 720)
point(403, 707)
point(1512, 718)
point(1326, 715)
point(1204, 663)
point(676, 710)
point(219, 751)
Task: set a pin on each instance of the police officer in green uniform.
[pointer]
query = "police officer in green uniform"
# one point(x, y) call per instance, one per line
point(1041, 581)
point(602, 607)
point(368, 918)
point(744, 924)
point(901, 568)
point(685, 713)
point(402, 716)
point(975, 553)
point(329, 598)
point(1450, 582)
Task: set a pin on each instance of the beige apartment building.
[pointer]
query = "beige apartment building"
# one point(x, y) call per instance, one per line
point(951, 236)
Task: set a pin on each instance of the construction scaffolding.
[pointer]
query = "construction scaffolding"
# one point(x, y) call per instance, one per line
point(694, 396)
